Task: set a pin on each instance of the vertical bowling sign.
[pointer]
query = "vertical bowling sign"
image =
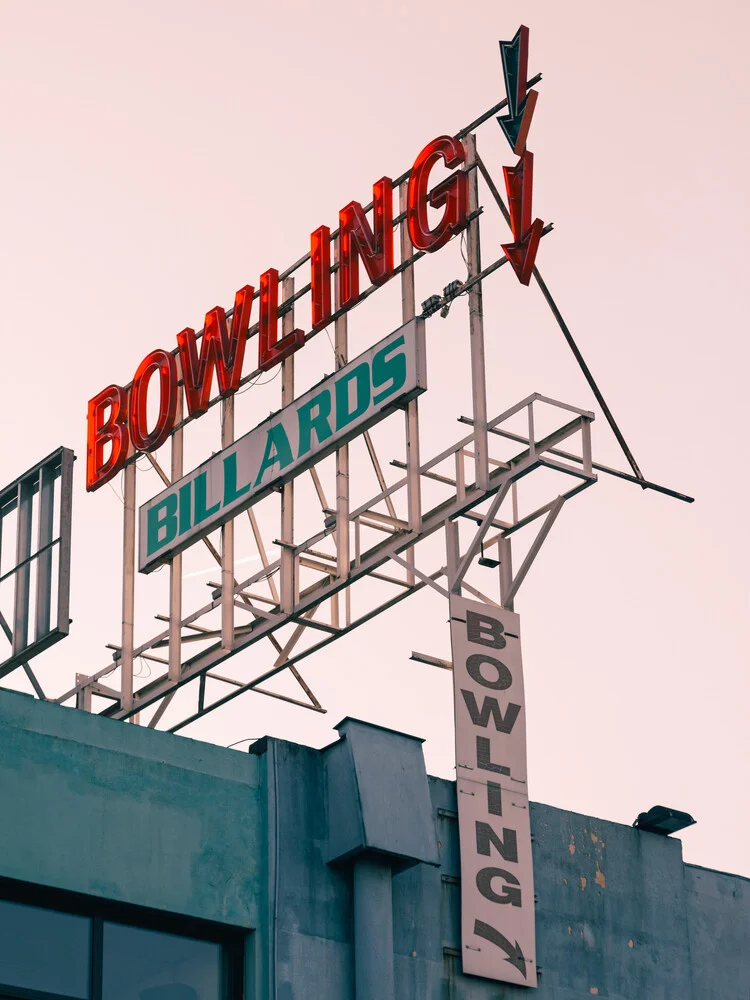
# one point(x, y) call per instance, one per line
point(497, 881)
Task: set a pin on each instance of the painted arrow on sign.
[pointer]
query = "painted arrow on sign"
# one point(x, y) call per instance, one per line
point(519, 183)
point(513, 951)
point(515, 57)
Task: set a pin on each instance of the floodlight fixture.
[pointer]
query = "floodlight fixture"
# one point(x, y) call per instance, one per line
point(431, 305)
point(663, 821)
point(450, 292)
point(487, 560)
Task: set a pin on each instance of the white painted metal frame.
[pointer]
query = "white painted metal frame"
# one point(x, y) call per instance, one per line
point(390, 558)
point(376, 541)
point(195, 646)
point(41, 497)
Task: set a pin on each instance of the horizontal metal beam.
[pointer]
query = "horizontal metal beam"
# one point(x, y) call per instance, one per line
point(370, 561)
point(608, 470)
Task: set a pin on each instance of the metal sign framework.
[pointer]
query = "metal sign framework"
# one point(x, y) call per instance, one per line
point(41, 498)
point(301, 601)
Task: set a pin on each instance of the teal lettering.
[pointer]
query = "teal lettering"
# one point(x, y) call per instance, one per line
point(186, 512)
point(318, 423)
point(277, 451)
point(231, 492)
point(161, 524)
point(385, 369)
point(201, 511)
point(361, 376)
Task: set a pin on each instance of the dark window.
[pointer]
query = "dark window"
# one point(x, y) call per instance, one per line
point(103, 950)
point(44, 950)
point(150, 965)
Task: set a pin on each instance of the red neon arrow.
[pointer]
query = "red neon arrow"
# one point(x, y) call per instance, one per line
point(522, 253)
point(519, 183)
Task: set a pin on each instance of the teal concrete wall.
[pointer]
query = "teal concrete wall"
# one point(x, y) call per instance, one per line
point(124, 813)
point(719, 928)
point(618, 913)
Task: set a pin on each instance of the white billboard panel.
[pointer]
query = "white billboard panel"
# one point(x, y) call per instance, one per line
point(298, 436)
point(497, 882)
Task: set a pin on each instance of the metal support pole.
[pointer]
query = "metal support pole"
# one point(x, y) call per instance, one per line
point(531, 555)
point(341, 340)
point(476, 326)
point(128, 587)
point(570, 341)
point(175, 566)
point(23, 573)
point(83, 697)
point(453, 553)
point(44, 560)
point(227, 539)
point(288, 563)
point(373, 930)
point(476, 542)
point(586, 447)
point(505, 569)
point(408, 311)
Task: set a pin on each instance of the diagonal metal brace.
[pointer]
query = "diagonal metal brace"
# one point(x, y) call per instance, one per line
point(476, 543)
point(411, 568)
point(531, 555)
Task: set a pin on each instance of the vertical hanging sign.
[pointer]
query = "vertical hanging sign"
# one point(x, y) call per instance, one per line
point(497, 882)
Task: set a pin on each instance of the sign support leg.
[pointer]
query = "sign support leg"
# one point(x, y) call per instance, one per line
point(476, 326)
point(175, 566)
point(288, 567)
point(227, 539)
point(408, 311)
point(128, 588)
point(342, 455)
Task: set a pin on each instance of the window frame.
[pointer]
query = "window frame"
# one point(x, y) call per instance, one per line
point(100, 911)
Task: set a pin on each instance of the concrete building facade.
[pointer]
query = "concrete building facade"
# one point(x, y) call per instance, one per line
point(136, 864)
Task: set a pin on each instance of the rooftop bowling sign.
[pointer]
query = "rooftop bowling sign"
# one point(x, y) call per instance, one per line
point(118, 424)
point(117, 416)
point(498, 933)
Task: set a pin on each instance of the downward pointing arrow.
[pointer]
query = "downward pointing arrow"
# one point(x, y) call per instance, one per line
point(515, 57)
point(522, 253)
point(514, 953)
point(516, 127)
point(519, 184)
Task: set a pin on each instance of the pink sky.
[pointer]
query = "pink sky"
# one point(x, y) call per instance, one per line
point(159, 155)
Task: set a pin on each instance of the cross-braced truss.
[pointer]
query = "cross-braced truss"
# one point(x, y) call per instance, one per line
point(366, 557)
point(376, 541)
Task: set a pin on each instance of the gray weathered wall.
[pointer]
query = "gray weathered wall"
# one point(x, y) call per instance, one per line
point(125, 813)
point(618, 914)
point(120, 812)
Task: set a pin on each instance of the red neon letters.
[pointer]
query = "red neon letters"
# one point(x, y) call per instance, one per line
point(356, 238)
point(320, 277)
point(164, 363)
point(106, 428)
point(219, 350)
point(452, 193)
point(118, 417)
point(271, 350)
